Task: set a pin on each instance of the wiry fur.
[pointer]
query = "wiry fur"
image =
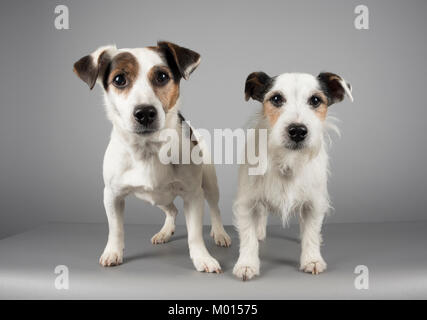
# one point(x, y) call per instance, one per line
point(295, 181)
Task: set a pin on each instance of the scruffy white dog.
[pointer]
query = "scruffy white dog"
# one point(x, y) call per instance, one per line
point(294, 113)
point(141, 91)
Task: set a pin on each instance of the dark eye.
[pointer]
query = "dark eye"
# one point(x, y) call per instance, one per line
point(277, 100)
point(120, 81)
point(161, 77)
point(314, 101)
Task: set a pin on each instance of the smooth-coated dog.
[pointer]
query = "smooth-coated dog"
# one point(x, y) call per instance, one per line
point(141, 93)
point(294, 114)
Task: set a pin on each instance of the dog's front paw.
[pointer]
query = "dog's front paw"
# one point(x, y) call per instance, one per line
point(221, 238)
point(245, 272)
point(161, 237)
point(314, 267)
point(111, 258)
point(206, 264)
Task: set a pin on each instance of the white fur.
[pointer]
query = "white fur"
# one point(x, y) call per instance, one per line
point(295, 181)
point(132, 166)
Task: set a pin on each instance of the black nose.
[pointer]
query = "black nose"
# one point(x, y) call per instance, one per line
point(145, 115)
point(297, 132)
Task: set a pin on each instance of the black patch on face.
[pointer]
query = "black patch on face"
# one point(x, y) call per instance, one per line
point(331, 86)
point(257, 85)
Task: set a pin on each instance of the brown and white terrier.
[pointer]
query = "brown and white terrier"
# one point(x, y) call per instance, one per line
point(141, 91)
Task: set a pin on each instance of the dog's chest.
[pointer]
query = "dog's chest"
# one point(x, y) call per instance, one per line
point(152, 181)
point(281, 193)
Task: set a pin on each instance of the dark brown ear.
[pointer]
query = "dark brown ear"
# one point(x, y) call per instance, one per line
point(257, 85)
point(92, 66)
point(334, 87)
point(183, 59)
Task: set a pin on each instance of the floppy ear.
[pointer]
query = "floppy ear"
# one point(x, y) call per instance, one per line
point(185, 60)
point(257, 84)
point(91, 67)
point(335, 87)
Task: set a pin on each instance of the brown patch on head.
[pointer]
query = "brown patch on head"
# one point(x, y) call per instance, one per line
point(272, 108)
point(124, 64)
point(271, 112)
point(167, 92)
point(322, 110)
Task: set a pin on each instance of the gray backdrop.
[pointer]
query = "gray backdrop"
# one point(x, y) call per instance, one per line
point(54, 131)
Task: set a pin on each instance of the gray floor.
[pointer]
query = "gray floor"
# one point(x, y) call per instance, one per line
point(395, 254)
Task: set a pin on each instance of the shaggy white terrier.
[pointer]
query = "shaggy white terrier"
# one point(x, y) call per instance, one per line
point(294, 113)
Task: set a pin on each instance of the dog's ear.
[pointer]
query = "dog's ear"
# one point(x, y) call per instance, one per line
point(185, 60)
point(91, 67)
point(256, 86)
point(334, 87)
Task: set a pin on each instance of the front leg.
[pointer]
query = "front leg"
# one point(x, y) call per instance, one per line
point(247, 265)
point(193, 209)
point(260, 220)
point(114, 207)
point(310, 226)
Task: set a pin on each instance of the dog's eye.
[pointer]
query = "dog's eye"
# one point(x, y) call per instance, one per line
point(277, 100)
point(161, 77)
point(314, 101)
point(120, 81)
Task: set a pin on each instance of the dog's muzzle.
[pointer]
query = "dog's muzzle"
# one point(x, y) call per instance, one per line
point(297, 133)
point(145, 116)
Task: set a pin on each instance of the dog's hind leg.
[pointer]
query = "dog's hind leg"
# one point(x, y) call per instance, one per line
point(168, 228)
point(211, 193)
point(311, 219)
